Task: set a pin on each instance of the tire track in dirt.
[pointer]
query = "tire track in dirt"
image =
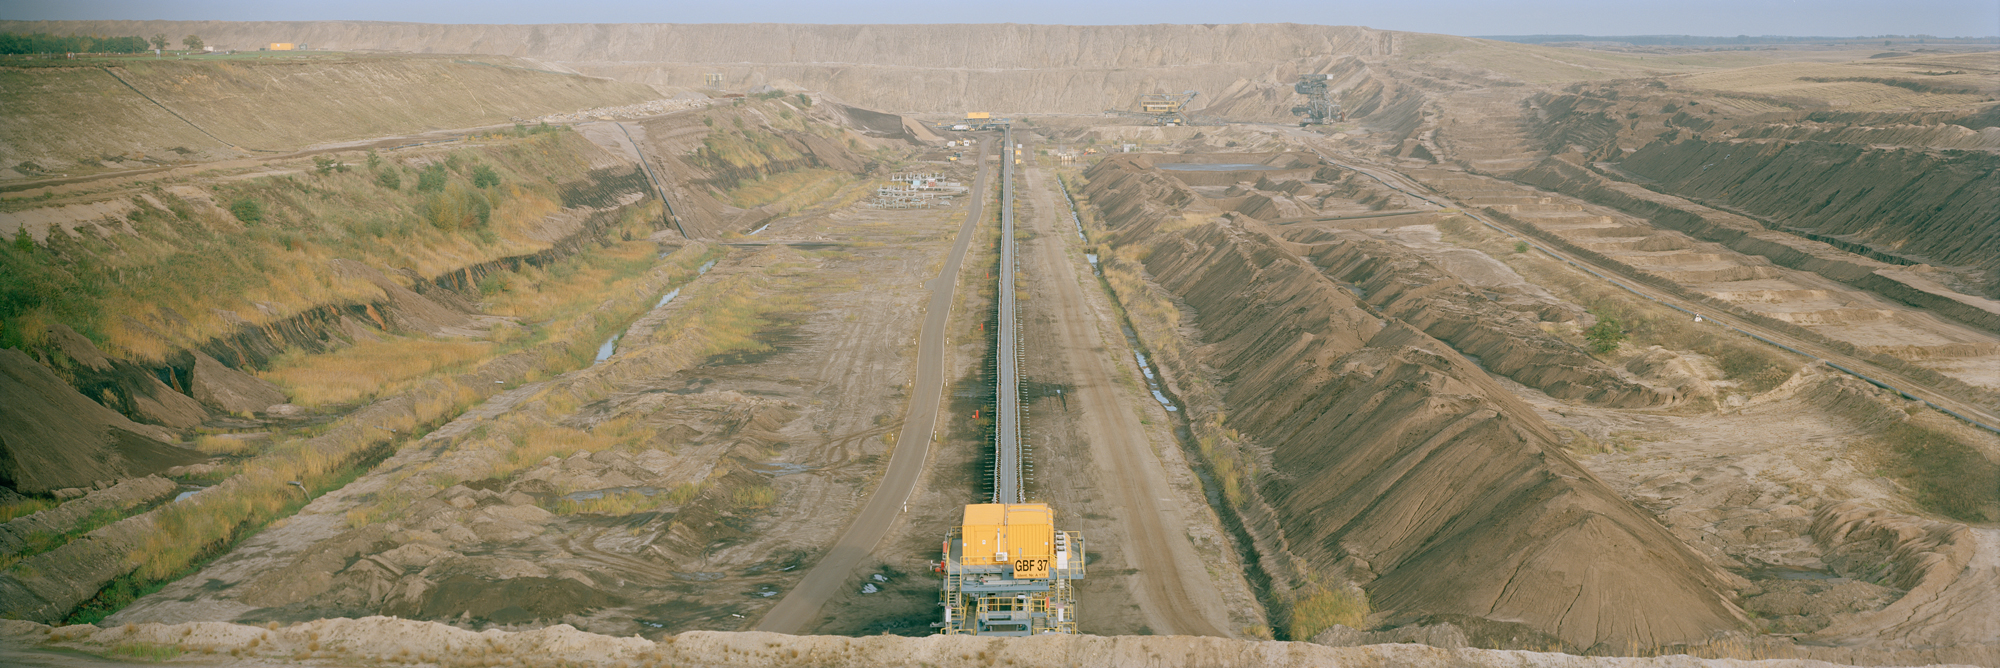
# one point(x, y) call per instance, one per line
point(1176, 594)
point(802, 604)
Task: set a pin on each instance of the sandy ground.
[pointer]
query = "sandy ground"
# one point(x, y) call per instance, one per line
point(813, 417)
point(802, 606)
point(1105, 450)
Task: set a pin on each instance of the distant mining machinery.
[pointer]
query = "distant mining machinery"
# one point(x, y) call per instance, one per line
point(1162, 108)
point(1007, 570)
point(1319, 109)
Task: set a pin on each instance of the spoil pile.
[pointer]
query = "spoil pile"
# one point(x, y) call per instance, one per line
point(1394, 461)
point(52, 437)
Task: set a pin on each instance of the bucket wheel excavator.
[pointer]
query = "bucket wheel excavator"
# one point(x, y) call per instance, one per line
point(1319, 109)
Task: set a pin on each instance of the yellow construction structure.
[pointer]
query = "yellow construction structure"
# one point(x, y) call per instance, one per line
point(1008, 572)
point(281, 46)
point(978, 115)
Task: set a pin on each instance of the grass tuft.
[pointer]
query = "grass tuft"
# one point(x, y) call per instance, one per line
point(1318, 609)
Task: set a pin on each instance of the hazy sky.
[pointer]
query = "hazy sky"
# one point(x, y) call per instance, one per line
point(1945, 18)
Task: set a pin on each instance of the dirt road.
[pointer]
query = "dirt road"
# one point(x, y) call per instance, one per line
point(801, 605)
point(1176, 593)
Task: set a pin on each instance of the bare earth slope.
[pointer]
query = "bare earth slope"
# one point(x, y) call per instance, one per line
point(217, 108)
point(1397, 463)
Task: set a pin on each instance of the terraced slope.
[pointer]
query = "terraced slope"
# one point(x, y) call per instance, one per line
point(145, 111)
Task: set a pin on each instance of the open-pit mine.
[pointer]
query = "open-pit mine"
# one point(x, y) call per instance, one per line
point(351, 343)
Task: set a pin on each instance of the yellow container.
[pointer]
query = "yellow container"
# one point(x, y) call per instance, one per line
point(1021, 535)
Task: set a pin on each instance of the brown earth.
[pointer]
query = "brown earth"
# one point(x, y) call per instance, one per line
point(383, 640)
point(54, 437)
point(1336, 394)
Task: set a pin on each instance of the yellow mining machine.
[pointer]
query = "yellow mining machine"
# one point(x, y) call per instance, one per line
point(1008, 572)
point(1162, 108)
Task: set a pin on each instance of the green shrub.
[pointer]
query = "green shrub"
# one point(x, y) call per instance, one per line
point(247, 210)
point(484, 177)
point(431, 179)
point(805, 101)
point(389, 178)
point(1605, 335)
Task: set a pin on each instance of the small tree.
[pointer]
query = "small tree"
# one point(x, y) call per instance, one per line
point(23, 242)
point(192, 42)
point(248, 210)
point(389, 178)
point(431, 179)
point(1605, 335)
point(484, 177)
point(805, 101)
point(374, 160)
point(160, 41)
point(325, 165)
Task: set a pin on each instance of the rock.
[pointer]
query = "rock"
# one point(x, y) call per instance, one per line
point(229, 390)
point(68, 493)
point(283, 410)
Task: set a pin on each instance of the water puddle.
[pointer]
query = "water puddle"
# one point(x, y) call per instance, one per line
point(755, 232)
point(1260, 582)
point(187, 493)
point(1146, 367)
point(610, 346)
point(1073, 218)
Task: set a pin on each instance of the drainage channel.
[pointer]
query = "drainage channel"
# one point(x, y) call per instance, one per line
point(1239, 537)
point(610, 346)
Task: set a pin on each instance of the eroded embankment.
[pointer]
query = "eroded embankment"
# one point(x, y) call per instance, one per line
point(1379, 454)
point(1797, 247)
point(1925, 206)
point(1504, 337)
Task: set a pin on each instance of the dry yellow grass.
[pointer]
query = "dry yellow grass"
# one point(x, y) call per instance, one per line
point(24, 507)
point(370, 368)
point(216, 444)
point(795, 189)
point(1318, 609)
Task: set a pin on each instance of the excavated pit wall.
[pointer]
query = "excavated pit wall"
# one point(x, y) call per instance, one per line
point(1554, 174)
point(1386, 457)
point(1244, 71)
point(1403, 286)
point(1926, 206)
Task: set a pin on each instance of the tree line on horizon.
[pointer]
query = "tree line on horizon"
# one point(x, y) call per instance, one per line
point(27, 43)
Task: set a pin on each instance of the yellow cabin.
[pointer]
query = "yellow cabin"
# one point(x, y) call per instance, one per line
point(1021, 535)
